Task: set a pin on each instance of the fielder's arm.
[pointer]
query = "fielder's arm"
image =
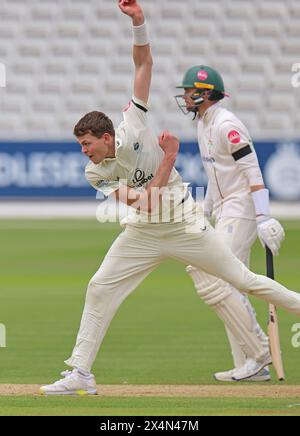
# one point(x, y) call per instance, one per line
point(270, 231)
point(142, 56)
point(147, 199)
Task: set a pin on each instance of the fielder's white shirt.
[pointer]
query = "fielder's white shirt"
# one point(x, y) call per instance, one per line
point(138, 157)
point(230, 161)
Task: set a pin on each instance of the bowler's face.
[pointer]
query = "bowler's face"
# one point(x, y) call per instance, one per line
point(96, 149)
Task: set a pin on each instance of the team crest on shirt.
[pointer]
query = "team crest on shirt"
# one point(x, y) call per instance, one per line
point(234, 137)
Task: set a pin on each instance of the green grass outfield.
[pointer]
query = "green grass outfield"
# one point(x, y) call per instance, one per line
point(162, 335)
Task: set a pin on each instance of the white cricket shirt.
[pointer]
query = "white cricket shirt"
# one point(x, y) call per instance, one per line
point(138, 157)
point(230, 161)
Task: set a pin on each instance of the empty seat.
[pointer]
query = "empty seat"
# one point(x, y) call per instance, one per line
point(69, 31)
point(88, 68)
point(51, 87)
point(30, 50)
point(43, 106)
point(291, 47)
point(112, 86)
point(108, 10)
point(280, 103)
point(96, 51)
point(201, 32)
point(78, 105)
point(74, 13)
point(11, 106)
point(231, 46)
point(248, 117)
point(101, 32)
point(57, 67)
point(7, 32)
point(63, 50)
point(169, 30)
point(293, 9)
point(271, 9)
point(123, 67)
point(237, 29)
point(37, 31)
point(246, 102)
point(283, 65)
point(264, 47)
point(42, 12)
point(84, 86)
point(293, 29)
point(8, 125)
point(258, 66)
point(268, 28)
point(251, 82)
point(23, 68)
point(239, 10)
point(67, 57)
point(281, 83)
point(173, 11)
point(276, 122)
point(206, 10)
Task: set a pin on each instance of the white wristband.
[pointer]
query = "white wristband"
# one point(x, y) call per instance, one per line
point(261, 201)
point(140, 35)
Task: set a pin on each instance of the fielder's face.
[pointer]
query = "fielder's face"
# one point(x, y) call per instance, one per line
point(96, 149)
point(187, 97)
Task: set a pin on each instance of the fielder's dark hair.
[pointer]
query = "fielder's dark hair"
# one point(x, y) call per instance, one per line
point(96, 123)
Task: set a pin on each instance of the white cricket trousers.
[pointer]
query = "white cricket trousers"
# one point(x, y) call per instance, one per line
point(240, 235)
point(137, 252)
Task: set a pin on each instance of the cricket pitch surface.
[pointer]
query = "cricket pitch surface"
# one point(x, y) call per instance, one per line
point(188, 391)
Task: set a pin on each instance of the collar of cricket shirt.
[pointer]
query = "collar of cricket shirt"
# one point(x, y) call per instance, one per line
point(210, 113)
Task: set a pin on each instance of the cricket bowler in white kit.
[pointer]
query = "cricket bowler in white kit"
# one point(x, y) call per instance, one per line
point(236, 193)
point(131, 164)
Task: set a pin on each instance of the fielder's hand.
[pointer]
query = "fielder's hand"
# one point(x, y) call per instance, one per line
point(270, 233)
point(169, 143)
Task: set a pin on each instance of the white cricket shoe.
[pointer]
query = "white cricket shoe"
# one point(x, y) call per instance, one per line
point(251, 369)
point(73, 383)
point(262, 376)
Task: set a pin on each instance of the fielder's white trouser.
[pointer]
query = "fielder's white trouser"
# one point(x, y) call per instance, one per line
point(137, 251)
point(240, 235)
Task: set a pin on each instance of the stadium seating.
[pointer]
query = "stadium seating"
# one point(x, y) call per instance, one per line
point(64, 58)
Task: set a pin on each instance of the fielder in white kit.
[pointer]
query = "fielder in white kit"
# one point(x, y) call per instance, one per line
point(130, 164)
point(236, 193)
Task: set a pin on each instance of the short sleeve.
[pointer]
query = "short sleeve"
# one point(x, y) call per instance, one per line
point(106, 187)
point(236, 138)
point(135, 115)
point(98, 182)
